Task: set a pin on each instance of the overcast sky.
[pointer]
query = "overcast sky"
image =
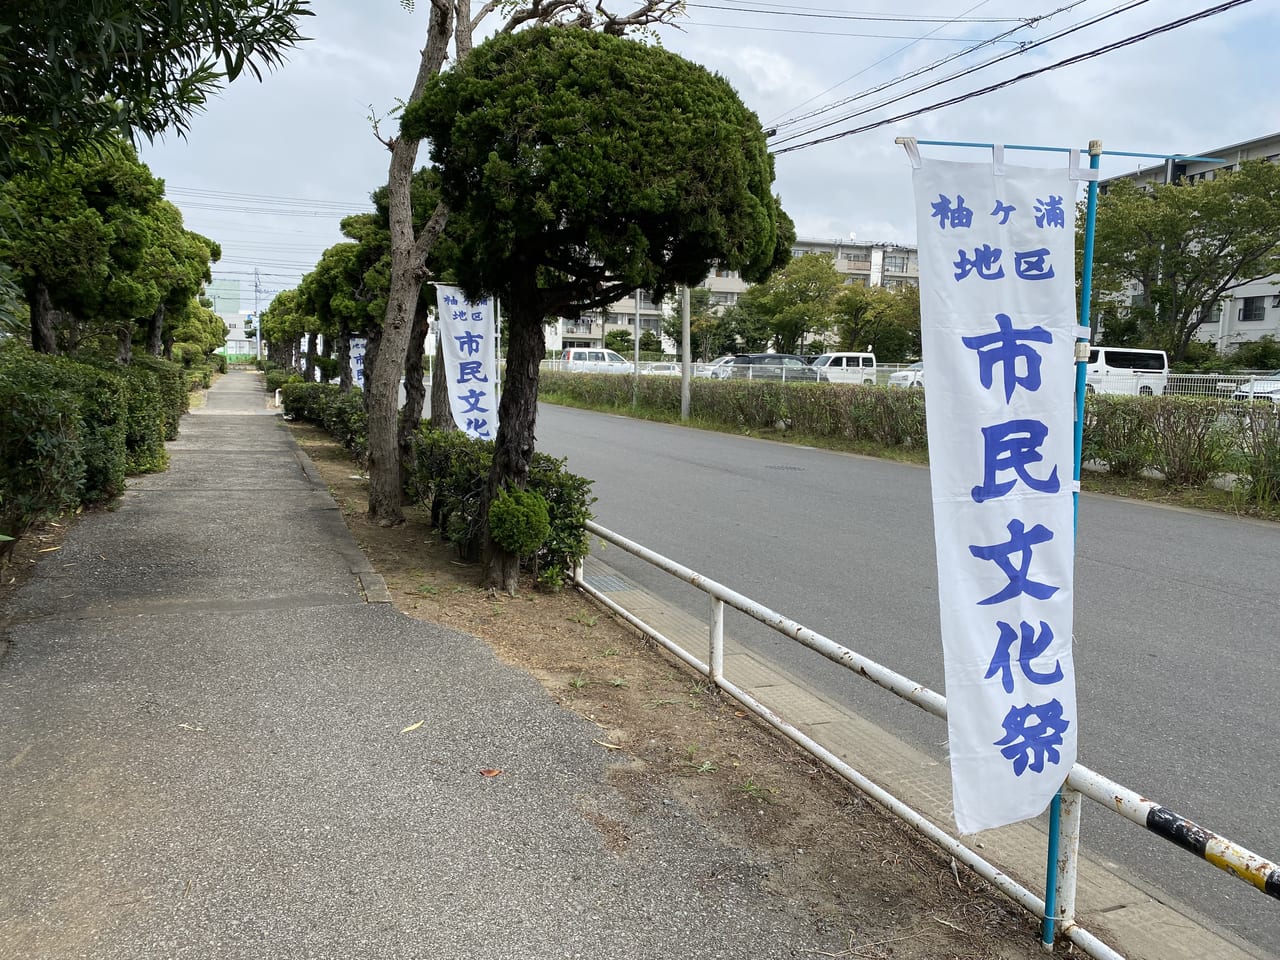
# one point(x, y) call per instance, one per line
point(270, 168)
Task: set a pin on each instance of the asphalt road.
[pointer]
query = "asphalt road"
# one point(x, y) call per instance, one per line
point(1177, 618)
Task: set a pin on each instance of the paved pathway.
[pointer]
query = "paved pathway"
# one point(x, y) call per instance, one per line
point(201, 754)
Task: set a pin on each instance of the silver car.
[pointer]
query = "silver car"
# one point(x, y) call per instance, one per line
point(1260, 388)
point(912, 376)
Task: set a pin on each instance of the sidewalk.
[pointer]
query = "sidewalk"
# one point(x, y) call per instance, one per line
point(204, 754)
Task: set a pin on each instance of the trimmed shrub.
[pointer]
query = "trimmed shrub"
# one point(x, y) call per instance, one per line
point(42, 470)
point(145, 419)
point(1118, 432)
point(1191, 437)
point(518, 521)
point(449, 475)
point(862, 414)
point(277, 377)
point(101, 399)
point(341, 415)
point(1257, 464)
point(171, 384)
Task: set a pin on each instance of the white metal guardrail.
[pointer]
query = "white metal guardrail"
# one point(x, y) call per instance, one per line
point(1222, 853)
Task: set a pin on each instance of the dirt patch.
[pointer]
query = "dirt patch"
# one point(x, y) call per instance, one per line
point(834, 855)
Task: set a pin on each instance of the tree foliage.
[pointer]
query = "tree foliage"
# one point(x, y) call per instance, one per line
point(78, 72)
point(95, 249)
point(633, 169)
point(796, 302)
point(708, 335)
point(879, 320)
point(451, 21)
point(579, 167)
point(1165, 256)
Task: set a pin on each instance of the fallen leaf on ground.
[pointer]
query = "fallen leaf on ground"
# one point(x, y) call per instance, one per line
point(608, 746)
point(413, 726)
point(492, 772)
point(48, 549)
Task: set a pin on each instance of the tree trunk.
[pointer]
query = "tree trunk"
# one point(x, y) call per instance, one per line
point(155, 332)
point(43, 337)
point(517, 416)
point(344, 357)
point(408, 268)
point(441, 412)
point(372, 350)
point(124, 344)
point(309, 365)
point(415, 392)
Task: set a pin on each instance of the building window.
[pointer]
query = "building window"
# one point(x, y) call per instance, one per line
point(1253, 308)
point(895, 263)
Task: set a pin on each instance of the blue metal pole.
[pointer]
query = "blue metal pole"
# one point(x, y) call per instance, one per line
point(1086, 291)
point(1082, 362)
point(1105, 153)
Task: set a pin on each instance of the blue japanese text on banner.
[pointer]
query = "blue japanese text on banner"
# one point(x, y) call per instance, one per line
point(468, 339)
point(998, 319)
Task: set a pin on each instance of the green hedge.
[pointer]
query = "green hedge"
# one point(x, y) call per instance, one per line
point(1257, 459)
point(119, 420)
point(42, 471)
point(101, 400)
point(449, 475)
point(341, 414)
point(859, 414)
point(277, 377)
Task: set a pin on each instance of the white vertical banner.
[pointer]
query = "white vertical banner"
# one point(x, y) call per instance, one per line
point(357, 349)
point(467, 334)
point(998, 325)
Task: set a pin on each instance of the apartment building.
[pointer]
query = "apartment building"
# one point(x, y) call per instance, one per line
point(1252, 311)
point(867, 264)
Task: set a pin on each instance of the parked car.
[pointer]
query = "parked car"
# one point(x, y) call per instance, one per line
point(912, 376)
point(848, 367)
point(1260, 388)
point(594, 360)
point(717, 369)
point(1127, 370)
point(773, 366)
point(662, 370)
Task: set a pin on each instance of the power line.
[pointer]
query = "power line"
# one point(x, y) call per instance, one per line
point(270, 211)
point(874, 17)
point(999, 38)
point(228, 195)
point(838, 33)
point(992, 61)
point(902, 49)
point(1078, 58)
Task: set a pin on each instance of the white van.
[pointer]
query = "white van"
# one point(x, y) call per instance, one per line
point(1127, 370)
point(848, 367)
point(593, 360)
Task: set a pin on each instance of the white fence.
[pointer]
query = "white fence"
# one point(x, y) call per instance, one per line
point(1220, 385)
point(1112, 796)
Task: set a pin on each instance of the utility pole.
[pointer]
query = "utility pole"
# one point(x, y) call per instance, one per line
point(257, 317)
point(686, 362)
